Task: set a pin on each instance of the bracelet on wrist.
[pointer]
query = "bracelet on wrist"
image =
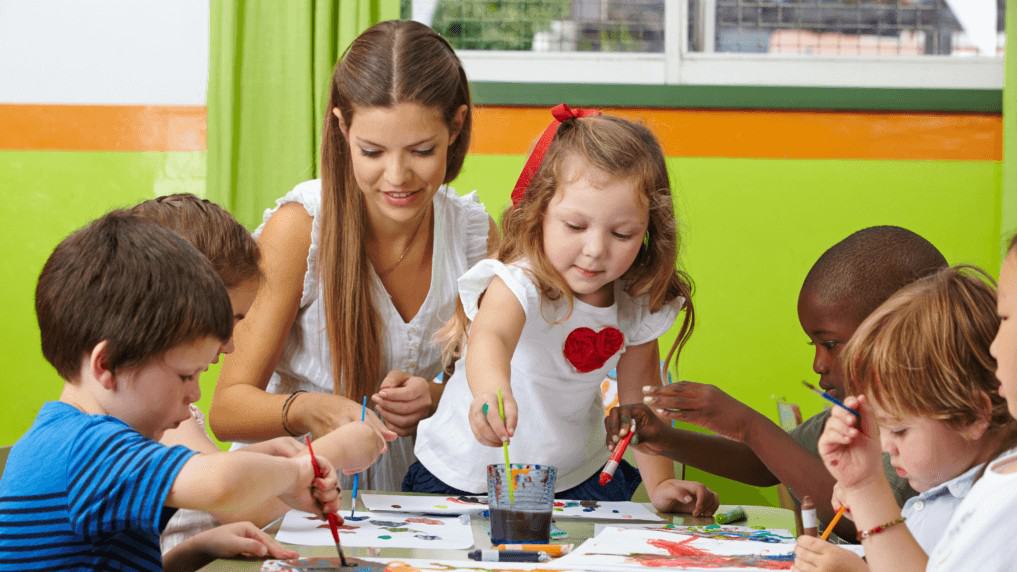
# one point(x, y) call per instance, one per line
point(286, 411)
point(862, 535)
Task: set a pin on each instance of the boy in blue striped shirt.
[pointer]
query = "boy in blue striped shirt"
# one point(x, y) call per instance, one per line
point(130, 314)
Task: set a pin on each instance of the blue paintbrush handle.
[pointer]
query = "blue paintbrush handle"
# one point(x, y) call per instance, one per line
point(836, 401)
point(356, 477)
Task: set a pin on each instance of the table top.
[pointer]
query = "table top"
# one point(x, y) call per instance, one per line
point(578, 530)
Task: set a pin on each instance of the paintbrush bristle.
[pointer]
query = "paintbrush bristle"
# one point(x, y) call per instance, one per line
point(810, 386)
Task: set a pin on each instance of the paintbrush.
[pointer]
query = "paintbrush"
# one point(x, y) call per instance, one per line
point(333, 519)
point(826, 395)
point(356, 477)
point(504, 447)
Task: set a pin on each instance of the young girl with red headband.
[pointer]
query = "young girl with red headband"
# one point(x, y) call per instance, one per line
point(584, 281)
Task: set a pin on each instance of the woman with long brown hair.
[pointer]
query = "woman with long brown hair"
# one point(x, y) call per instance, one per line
point(360, 266)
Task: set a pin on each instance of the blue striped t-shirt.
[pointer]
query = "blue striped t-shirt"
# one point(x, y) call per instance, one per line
point(84, 492)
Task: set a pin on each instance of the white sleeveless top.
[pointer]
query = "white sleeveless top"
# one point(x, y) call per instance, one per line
point(561, 416)
point(461, 226)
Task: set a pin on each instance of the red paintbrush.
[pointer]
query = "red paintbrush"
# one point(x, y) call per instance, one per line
point(333, 518)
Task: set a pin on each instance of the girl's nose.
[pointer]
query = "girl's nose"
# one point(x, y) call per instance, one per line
point(593, 247)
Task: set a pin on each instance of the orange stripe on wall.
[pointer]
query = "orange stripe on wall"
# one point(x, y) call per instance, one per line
point(102, 127)
point(773, 134)
point(511, 131)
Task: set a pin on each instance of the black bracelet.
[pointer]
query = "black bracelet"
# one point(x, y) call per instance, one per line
point(286, 410)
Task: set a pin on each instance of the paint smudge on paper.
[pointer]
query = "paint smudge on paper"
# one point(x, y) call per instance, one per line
point(424, 520)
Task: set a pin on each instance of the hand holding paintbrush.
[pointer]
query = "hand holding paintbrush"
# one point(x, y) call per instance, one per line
point(334, 521)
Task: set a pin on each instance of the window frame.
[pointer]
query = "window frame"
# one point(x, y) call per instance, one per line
point(678, 66)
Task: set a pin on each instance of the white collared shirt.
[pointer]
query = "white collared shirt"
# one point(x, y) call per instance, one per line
point(928, 513)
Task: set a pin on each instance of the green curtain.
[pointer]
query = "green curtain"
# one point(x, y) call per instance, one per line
point(270, 63)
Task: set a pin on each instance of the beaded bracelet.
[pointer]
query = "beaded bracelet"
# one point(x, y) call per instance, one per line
point(286, 410)
point(877, 529)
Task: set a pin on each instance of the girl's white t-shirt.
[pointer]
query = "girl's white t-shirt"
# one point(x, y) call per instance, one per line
point(980, 535)
point(461, 226)
point(561, 416)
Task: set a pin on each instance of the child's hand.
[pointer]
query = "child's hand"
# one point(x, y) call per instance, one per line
point(837, 500)
point(310, 493)
point(278, 447)
point(700, 404)
point(403, 400)
point(358, 447)
point(852, 454)
point(813, 554)
point(486, 423)
point(650, 429)
point(673, 495)
point(241, 539)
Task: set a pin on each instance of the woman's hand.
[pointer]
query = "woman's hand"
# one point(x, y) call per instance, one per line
point(402, 401)
point(321, 413)
point(486, 422)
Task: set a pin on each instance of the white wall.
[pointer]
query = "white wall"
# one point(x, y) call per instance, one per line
point(151, 52)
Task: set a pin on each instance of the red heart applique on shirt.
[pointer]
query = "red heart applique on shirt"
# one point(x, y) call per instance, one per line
point(588, 350)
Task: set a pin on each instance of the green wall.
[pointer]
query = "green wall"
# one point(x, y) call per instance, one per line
point(48, 194)
point(751, 229)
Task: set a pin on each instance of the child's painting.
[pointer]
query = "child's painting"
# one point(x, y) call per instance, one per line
point(429, 565)
point(368, 529)
point(319, 564)
point(423, 504)
point(721, 548)
point(603, 510)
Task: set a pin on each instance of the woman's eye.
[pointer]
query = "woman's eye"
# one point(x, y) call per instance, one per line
point(424, 152)
point(831, 344)
point(370, 152)
point(575, 227)
point(622, 236)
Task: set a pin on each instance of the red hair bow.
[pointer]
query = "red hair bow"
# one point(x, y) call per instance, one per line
point(561, 113)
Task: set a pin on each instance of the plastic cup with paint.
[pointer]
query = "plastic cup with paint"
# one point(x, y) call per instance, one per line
point(527, 518)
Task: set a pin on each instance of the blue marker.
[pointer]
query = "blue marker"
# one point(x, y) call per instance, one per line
point(356, 477)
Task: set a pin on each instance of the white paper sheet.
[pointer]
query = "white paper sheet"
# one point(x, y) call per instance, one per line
point(418, 504)
point(379, 530)
point(603, 510)
point(681, 548)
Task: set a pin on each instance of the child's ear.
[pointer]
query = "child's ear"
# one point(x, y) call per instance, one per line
point(342, 122)
point(457, 123)
point(98, 359)
point(980, 426)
